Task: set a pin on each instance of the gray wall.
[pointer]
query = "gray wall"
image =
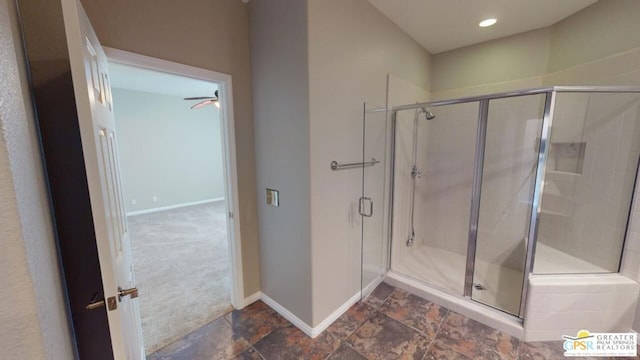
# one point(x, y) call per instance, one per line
point(33, 314)
point(278, 32)
point(167, 150)
point(210, 34)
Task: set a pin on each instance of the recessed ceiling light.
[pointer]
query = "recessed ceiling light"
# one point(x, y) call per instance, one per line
point(487, 22)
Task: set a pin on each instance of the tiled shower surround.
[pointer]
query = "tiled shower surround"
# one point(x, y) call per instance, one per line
point(586, 196)
point(616, 70)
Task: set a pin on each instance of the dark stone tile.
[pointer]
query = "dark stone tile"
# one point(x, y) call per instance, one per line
point(379, 295)
point(551, 350)
point(541, 350)
point(351, 320)
point(476, 340)
point(346, 353)
point(415, 311)
point(437, 352)
point(383, 338)
point(289, 343)
point(215, 340)
point(249, 354)
point(255, 321)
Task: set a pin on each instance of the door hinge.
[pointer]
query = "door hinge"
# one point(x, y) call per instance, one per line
point(230, 215)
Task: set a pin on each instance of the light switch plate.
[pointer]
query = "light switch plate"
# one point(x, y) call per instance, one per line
point(272, 197)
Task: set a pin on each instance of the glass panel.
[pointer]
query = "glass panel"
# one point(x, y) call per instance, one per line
point(514, 126)
point(373, 205)
point(589, 180)
point(432, 208)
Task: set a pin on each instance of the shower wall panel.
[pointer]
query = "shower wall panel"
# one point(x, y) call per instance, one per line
point(443, 194)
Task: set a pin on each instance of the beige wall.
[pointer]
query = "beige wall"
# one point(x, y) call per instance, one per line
point(33, 312)
point(210, 34)
point(352, 49)
point(585, 42)
point(519, 56)
point(281, 103)
point(600, 30)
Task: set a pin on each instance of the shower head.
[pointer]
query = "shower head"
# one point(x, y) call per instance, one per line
point(428, 114)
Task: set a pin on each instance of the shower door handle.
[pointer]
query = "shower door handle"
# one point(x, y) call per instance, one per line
point(362, 207)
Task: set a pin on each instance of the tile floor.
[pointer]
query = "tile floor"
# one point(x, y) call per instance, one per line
point(390, 324)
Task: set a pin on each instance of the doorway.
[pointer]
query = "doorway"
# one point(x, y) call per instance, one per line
point(171, 160)
point(174, 190)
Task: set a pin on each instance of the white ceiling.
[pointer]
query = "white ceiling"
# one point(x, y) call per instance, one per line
point(441, 25)
point(134, 78)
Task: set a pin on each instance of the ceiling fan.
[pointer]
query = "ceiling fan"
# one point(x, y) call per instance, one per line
point(206, 100)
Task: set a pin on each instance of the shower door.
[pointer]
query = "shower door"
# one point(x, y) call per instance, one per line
point(373, 204)
point(501, 209)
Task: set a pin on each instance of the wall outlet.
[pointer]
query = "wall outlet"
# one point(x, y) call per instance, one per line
point(133, 202)
point(155, 199)
point(272, 197)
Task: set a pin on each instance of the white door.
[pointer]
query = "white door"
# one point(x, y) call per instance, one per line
point(97, 130)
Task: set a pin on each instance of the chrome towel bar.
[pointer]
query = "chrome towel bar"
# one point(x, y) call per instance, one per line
point(336, 166)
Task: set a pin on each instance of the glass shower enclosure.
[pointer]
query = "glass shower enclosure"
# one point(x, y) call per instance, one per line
point(475, 194)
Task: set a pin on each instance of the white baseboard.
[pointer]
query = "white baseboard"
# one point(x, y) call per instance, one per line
point(288, 315)
point(373, 285)
point(324, 324)
point(250, 299)
point(170, 207)
point(313, 332)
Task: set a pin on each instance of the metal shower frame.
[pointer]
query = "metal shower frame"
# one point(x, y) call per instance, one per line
point(541, 167)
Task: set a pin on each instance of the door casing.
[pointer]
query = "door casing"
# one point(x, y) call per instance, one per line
point(229, 148)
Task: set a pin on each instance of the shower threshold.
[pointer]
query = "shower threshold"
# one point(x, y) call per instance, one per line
point(499, 286)
point(489, 316)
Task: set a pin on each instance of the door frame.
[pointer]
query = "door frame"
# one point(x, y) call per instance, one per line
point(229, 148)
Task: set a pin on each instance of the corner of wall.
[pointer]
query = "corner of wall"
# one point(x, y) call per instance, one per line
point(39, 317)
point(279, 66)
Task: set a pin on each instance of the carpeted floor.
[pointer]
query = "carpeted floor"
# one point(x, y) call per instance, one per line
point(182, 269)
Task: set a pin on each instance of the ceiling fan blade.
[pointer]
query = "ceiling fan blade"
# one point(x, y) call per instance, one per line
point(204, 103)
point(198, 98)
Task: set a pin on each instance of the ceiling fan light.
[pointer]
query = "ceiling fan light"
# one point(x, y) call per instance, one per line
point(205, 101)
point(201, 104)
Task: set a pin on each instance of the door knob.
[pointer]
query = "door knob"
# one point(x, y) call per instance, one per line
point(133, 292)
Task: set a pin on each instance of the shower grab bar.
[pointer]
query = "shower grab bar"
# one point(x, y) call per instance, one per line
point(336, 166)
